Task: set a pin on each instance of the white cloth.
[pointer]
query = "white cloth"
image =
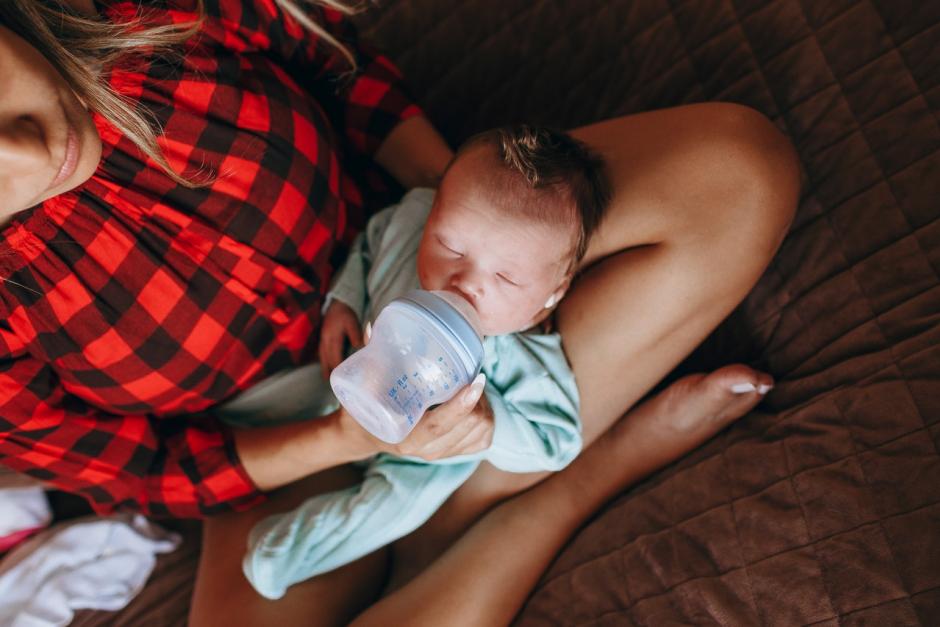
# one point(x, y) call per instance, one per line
point(23, 507)
point(88, 563)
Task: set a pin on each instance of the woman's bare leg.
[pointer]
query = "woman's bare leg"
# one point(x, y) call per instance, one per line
point(484, 578)
point(722, 188)
point(222, 595)
point(703, 196)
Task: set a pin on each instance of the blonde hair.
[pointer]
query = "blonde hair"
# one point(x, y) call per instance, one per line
point(82, 48)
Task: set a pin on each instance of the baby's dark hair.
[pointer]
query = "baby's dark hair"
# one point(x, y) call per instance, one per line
point(551, 161)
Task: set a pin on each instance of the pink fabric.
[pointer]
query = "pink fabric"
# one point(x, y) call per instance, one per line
point(9, 541)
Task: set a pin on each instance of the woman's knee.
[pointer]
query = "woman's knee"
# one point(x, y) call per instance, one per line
point(745, 174)
point(761, 152)
point(719, 162)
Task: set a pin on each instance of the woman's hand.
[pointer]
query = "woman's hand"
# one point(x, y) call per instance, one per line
point(275, 456)
point(339, 324)
point(462, 425)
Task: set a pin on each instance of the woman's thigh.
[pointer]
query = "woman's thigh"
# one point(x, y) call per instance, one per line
point(222, 595)
point(703, 196)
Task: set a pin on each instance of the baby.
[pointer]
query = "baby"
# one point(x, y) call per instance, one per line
point(508, 226)
point(506, 231)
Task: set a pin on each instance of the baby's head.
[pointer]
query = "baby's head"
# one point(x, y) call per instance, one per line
point(511, 221)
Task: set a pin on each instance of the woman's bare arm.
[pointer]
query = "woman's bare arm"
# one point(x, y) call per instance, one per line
point(276, 456)
point(415, 153)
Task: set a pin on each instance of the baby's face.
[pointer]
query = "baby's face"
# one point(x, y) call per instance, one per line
point(506, 266)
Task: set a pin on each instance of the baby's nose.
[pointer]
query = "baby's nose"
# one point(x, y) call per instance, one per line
point(469, 290)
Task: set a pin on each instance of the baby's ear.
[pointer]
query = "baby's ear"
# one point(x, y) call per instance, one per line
point(559, 293)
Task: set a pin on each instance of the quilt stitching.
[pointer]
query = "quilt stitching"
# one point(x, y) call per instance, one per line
point(873, 153)
point(835, 614)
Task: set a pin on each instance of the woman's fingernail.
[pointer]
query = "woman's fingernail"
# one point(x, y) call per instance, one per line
point(476, 388)
point(368, 332)
point(742, 388)
point(763, 388)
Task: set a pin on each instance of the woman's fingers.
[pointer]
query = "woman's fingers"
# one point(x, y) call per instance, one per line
point(443, 429)
point(473, 392)
point(447, 444)
point(449, 413)
point(477, 439)
point(481, 436)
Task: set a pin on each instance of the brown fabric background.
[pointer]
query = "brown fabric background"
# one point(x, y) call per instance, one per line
point(823, 506)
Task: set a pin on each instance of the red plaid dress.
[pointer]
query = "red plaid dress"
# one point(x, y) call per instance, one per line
point(130, 305)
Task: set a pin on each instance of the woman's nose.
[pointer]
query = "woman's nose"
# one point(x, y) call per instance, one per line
point(22, 147)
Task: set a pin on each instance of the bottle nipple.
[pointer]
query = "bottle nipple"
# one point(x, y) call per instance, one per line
point(461, 305)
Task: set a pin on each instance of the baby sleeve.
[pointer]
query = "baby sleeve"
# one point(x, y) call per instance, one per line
point(349, 284)
point(535, 403)
point(396, 496)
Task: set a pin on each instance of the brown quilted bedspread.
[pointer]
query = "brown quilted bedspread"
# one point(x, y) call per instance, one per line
point(823, 506)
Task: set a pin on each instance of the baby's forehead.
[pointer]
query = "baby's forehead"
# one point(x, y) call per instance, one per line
point(478, 183)
point(527, 242)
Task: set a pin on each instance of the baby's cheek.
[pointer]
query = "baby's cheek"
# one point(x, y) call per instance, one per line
point(423, 274)
point(427, 279)
point(509, 316)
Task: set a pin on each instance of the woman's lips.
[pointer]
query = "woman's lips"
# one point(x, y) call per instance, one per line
point(70, 162)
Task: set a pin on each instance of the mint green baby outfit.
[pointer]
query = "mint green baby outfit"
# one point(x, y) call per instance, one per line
point(529, 386)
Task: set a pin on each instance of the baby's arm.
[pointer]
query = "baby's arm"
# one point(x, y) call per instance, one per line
point(534, 400)
point(340, 324)
point(344, 305)
point(349, 284)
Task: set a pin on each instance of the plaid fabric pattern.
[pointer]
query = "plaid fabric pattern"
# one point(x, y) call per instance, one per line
point(131, 305)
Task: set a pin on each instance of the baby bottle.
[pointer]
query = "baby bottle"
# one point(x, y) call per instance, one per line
point(425, 347)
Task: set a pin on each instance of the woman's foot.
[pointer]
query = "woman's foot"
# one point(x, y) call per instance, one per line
point(656, 432)
point(703, 404)
point(661, 429)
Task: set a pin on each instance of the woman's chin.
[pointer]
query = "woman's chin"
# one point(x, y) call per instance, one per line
point(90, 158)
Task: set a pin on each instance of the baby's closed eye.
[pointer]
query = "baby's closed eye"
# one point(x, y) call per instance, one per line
point(448, 248)
point(507, 279)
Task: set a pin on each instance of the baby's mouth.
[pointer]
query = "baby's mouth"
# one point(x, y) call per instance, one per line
point(461, 294)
